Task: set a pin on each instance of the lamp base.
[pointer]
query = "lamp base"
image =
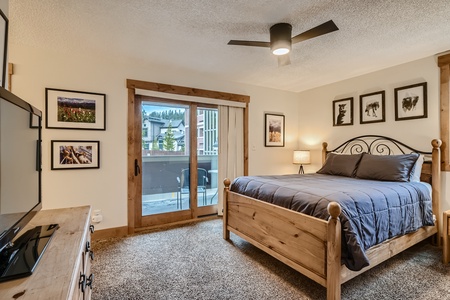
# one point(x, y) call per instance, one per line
point(300, 170)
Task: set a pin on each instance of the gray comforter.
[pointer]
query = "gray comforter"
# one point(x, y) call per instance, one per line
point(372, 211)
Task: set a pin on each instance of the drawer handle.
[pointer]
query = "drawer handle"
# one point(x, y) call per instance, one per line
point(91, 228)
point(88, 250)
point(90, 281)
point(82, 282)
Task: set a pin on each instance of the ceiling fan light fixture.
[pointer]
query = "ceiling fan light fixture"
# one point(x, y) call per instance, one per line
point(280, 38)
point(281, 50)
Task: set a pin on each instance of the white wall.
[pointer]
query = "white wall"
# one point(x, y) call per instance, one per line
point(315, 114)
point(106, 188)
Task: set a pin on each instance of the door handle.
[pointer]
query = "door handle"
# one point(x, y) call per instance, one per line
point(137, 169)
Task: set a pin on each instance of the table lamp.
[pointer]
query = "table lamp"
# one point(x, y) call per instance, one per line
point(302, 157)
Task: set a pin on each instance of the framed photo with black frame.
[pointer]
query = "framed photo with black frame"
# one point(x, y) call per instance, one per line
point(67, 155)
point(411, 102)
point(274, 130)
point(343, 112)
point(66, 109)
point(372, 108)
point(3, 46)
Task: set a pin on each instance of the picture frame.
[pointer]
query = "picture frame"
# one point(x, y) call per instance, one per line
point(343, 112)
point(274, 130)
point(411, 102)
point(67, 109)
point(4, 23)
point(69, 155)
point(372, 108)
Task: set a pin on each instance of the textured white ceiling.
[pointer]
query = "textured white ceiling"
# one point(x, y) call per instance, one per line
point(192, 35)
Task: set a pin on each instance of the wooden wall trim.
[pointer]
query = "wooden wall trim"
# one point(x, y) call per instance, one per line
point(132, 182)
point(187, 91)
point(109, 233)
point(444, 65)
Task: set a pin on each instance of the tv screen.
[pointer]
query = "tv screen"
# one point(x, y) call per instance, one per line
point(20, 165)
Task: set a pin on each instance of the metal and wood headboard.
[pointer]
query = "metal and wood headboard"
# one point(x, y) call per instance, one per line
point(381, 145)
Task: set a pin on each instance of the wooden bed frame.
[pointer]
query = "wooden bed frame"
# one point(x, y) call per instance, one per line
point(312, 246)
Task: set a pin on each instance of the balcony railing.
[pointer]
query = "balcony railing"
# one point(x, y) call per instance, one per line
point(159, 173)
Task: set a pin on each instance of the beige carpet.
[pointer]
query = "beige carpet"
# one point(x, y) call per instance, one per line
point(194, 262)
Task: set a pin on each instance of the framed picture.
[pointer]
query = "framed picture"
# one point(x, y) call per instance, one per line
point(274, 130)
point(343, 112)
point(66, 109)
point(68, 155)
point(372, 108)
point(411, 102)
point(3, 46)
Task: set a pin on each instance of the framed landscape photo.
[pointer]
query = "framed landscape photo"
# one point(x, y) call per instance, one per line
point(343, 112)
point(411, 102)
point(67, 109)
point(372, 108)
point(3, 46)
point(274, 130)
point(67, 155)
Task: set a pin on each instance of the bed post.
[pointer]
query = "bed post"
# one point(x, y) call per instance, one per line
point(324, 152)
point(436, 185)
point(334, 252)
point(226, 232)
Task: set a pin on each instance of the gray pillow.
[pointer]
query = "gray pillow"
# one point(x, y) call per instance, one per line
point(340, 164)
point(387, 167)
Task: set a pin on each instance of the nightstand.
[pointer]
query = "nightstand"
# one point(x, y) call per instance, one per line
point(446, 228)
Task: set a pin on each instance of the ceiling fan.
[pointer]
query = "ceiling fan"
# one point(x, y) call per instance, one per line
point(281, 39)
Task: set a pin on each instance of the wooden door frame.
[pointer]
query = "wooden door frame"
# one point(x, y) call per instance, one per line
point(135, 144)
point(444, 66)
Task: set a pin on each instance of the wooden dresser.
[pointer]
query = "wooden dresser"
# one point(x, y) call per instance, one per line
point(64, 269)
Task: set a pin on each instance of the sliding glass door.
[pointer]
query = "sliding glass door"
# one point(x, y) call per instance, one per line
point(178, 166)
point(165, 157)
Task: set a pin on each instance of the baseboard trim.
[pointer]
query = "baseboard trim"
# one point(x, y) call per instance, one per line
point(109, 233)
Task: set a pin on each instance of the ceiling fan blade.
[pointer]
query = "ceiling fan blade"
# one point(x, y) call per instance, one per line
point(249, 43)
point(284, 60)
point(324, 28)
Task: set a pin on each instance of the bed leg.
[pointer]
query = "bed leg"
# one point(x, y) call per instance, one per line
point(334, 252)
point(226, 232)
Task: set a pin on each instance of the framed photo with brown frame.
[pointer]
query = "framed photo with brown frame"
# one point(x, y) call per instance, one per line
point(274, 130)
point(3, 46)
point(343, 112)
point(411, 102)
point(68, 155)
point(66, 109)
point(372, 108)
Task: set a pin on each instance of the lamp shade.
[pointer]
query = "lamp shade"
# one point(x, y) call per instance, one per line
point(302, 157)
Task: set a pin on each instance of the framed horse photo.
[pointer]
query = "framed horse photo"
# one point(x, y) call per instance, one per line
point(411, 102)
point(372, 108)
point(343, 112)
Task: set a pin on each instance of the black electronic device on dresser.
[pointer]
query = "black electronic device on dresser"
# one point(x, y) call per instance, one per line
point(20, 187)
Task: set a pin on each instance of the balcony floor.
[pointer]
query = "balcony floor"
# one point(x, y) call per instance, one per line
point(167, 202)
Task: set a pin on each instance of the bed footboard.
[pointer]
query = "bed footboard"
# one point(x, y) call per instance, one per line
point(309, 245)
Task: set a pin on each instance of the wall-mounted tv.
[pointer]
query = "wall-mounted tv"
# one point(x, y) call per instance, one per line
point(20, 184)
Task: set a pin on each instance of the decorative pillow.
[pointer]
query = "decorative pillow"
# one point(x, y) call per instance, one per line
point(340, 164)
point(387, 167)
point(417, 170)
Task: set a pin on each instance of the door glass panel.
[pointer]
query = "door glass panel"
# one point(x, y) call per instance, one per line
point(165, 158)
point(207, 150)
